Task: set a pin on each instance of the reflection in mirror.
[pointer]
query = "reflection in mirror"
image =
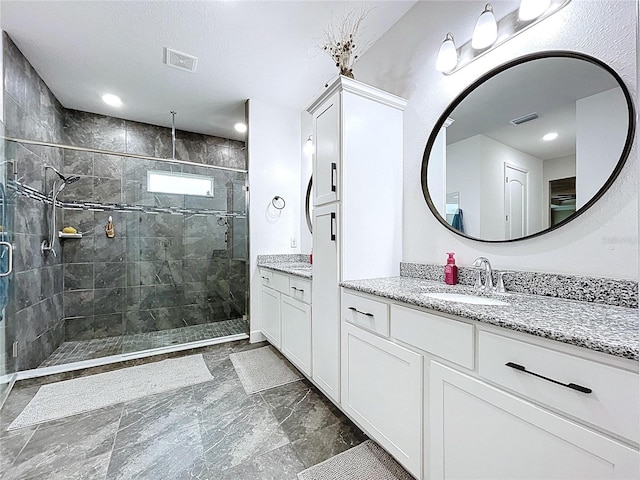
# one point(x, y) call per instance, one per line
point(528, 147)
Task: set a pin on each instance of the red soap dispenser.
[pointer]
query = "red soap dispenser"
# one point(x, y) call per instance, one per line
point(451, 271)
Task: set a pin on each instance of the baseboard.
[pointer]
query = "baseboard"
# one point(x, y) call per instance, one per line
point(256, 336)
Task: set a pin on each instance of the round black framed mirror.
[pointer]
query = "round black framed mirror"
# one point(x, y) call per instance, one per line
point(528, 147)
point(307, 204)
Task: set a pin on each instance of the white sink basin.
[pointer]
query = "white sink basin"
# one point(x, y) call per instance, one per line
point(464, 298)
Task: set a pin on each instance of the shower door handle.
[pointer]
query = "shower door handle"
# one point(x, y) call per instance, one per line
point(10, 260)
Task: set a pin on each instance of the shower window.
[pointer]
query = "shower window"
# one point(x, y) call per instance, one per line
point(179, 183)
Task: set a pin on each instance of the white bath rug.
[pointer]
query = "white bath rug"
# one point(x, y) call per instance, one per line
point(70, 397)
point(367, 460)
point(261, 369)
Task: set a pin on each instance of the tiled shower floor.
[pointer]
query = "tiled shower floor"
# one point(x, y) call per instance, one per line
point(79, 350)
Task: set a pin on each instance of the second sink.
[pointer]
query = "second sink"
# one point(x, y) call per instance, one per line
point(464, 298)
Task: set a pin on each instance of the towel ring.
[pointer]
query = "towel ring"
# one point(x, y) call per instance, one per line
point(278, 202)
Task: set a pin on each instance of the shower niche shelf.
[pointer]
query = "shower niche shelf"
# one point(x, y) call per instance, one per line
point(62, 235)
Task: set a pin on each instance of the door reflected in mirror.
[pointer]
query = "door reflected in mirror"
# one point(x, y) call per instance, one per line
point(528, 147)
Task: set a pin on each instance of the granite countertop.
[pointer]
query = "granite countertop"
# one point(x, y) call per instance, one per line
point(300, 269)
point(603, 328)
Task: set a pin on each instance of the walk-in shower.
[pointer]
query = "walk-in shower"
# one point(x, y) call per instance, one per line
point(172, 275)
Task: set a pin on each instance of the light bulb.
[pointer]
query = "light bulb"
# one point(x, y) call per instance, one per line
point(448, 55)
point(240, 127)
point(530, 9)
point(550, 136)
point(486, 30)
point(111, 99)
point(308, 146)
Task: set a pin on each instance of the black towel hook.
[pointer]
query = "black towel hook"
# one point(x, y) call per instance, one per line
point(278, 202)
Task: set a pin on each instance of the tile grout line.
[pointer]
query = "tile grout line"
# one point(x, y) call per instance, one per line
point(115, 435)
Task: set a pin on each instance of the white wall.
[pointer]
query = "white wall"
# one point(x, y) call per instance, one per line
point(437, 179)
point(602, 241)
point(599, 116)
point(464, 177)
point(476, 169)
point(274, 169)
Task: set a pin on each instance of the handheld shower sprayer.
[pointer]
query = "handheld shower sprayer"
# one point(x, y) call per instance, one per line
point(47, 245)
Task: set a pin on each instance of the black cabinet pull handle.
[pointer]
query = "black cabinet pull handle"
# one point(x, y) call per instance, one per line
point(334, 169)
point(265, 278)
point(572, 386)
point(353, 309)
point(298, 289)
point(333, 221)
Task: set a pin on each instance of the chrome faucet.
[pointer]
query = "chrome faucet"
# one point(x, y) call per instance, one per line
point(480, 263)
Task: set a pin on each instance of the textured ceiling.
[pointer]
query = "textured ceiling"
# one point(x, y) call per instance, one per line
point(266, 50)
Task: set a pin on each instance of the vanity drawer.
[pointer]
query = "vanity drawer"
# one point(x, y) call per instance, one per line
point(441, 336)
point(611, 405)
point(366, 313)
point(300, 289)
point(275, 280)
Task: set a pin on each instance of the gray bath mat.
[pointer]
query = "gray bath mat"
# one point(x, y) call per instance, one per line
point(261, 369)
point(70, 397)
point(367, 460)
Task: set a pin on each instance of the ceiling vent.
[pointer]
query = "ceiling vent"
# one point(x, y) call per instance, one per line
point(180, 60)
point(524, 119)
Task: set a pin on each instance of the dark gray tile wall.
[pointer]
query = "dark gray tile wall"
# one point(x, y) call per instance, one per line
point(159, 272)
point(91, 130)
point(35, 289)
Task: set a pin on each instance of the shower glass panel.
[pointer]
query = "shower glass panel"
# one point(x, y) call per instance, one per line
point(175, 271)
point(8, 365)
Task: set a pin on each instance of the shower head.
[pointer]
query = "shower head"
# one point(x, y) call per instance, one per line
point(72, 179)
point(64, 183)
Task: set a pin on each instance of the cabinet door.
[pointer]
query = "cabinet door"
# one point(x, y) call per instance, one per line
point(480, 432)
point(382, 391)
point(296, 332)
point(271, 316)
point(325, 312)
point(326, 158)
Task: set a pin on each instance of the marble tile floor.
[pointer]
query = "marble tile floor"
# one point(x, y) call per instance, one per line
point(212, 430)
point(79, 350)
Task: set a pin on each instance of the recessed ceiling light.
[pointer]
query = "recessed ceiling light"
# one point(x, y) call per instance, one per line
point(112, 100)
point(550, 136)
point(240, 127)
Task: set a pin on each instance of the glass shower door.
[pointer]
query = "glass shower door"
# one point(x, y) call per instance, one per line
point(7, 319)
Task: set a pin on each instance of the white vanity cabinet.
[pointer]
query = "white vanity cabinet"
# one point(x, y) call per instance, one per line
point(357, 176)
point(382, 392)
point(481, 432)
point(286, 316)
point(492, 403)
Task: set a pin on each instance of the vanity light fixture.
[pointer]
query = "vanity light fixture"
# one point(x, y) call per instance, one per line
point(240, 127)
point(530, 9)
point(448, 55)
point(486, 31)
point(308, 146)
point(112, 100)
point(550, 136)
point(490, 34)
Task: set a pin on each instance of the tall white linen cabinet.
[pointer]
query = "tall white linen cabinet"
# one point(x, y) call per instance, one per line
point(357, 206)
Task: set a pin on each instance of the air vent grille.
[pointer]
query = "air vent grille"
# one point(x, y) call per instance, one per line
point(524, 119)
point(180, 60)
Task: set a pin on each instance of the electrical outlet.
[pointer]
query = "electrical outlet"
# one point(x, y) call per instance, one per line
point(294, 242)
